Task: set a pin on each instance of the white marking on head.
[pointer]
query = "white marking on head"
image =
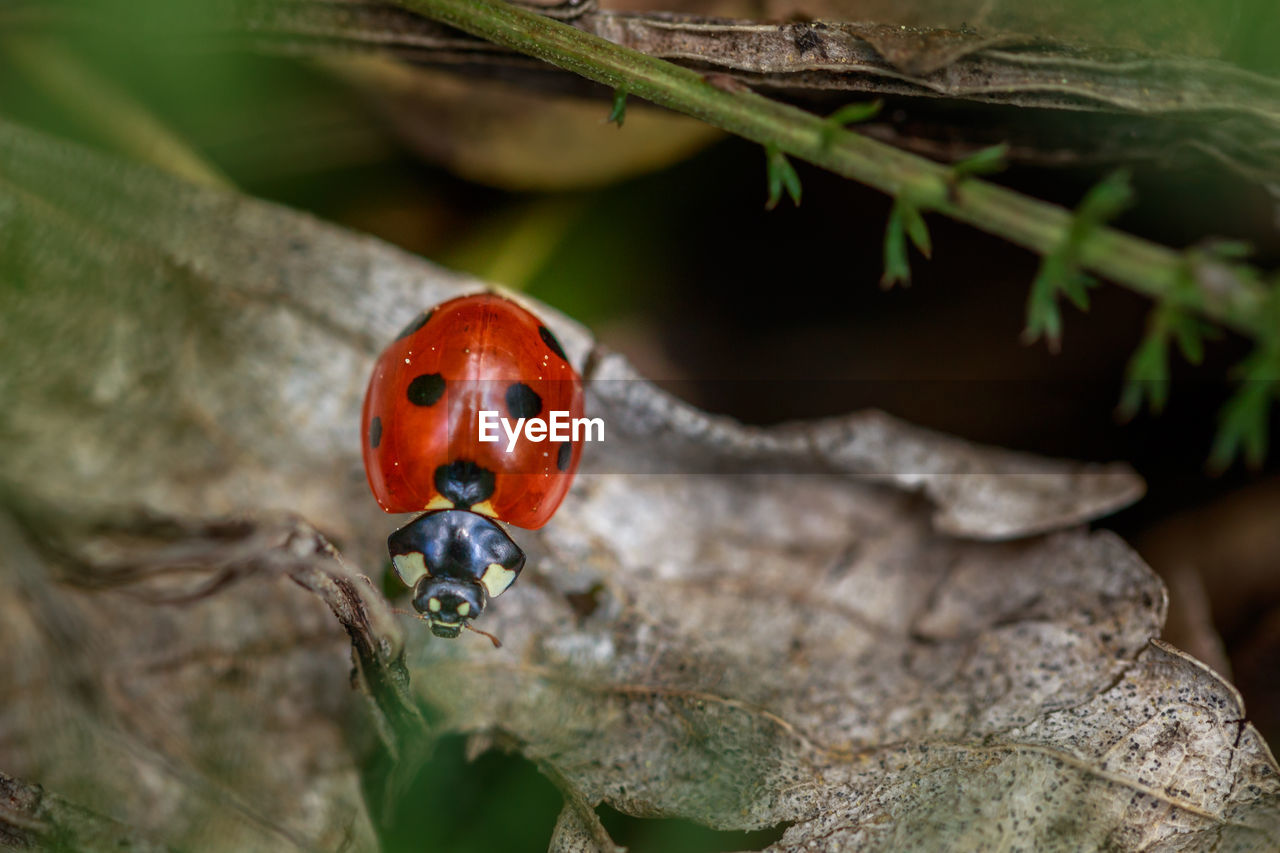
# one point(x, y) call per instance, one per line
point(454, 627)
point(433, 604)
point(410, 567)
point(464, 608)
point(496, 579)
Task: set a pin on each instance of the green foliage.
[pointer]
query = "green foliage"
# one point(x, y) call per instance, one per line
point(1244, 422)
point(984, 162)
point(1147, 374)
point(1228, 250)
point(619, 111)
point(896, 267)
point(780, 174)
point(905, 221)
point(1060, 271)
point(1057, 277)
point(847, 115)
point(1242, 427)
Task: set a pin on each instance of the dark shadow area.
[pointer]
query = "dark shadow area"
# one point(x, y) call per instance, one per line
point(672, 835)
point(772, 316)
point(499, 802)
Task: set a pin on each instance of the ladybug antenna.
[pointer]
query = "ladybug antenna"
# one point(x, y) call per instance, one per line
point(497, 644)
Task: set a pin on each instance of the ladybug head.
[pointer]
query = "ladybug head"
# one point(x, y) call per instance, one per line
point(448, 604)
point(455, 561)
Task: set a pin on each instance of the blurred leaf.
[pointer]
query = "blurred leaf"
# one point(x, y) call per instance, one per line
point(1242, 429)
point(915, 227)
point(112, 113)
point(984, 162)
point(897, 269)
point(854, 113)
point(1059, 273)
point(904, 221)
point(850, 114)
point(1243, 423)
point(498, 134)
point(1102, 203)
point(1147, 374)
point(1190, 332)
point(619, 110)
point(781, 174)
point(1076, 288)
point(1044, 320)
point(1229, 250)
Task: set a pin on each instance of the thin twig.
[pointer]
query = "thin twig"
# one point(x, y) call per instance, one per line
point(1229, 293)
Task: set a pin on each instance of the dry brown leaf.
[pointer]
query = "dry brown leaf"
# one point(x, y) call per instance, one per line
point(223, 725)
point(744, 627)
point(1189, 27)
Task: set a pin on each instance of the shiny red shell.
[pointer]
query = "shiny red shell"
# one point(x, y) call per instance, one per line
point(422, 411)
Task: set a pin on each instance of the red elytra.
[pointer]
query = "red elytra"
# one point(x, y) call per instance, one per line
point(421, 416)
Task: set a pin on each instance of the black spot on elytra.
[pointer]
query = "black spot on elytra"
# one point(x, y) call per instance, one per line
point(417, 323)
point(564, 456)
point(465, 483)
point(523, 401)
point(552, 342)
point(426, 389)
point(375, 433)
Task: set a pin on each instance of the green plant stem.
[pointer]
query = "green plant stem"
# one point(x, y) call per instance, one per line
point(1229, 293)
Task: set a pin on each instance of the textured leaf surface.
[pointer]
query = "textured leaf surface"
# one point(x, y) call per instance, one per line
point(744, 627)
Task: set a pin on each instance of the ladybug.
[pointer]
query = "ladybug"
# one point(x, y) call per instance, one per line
point(474, 358)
